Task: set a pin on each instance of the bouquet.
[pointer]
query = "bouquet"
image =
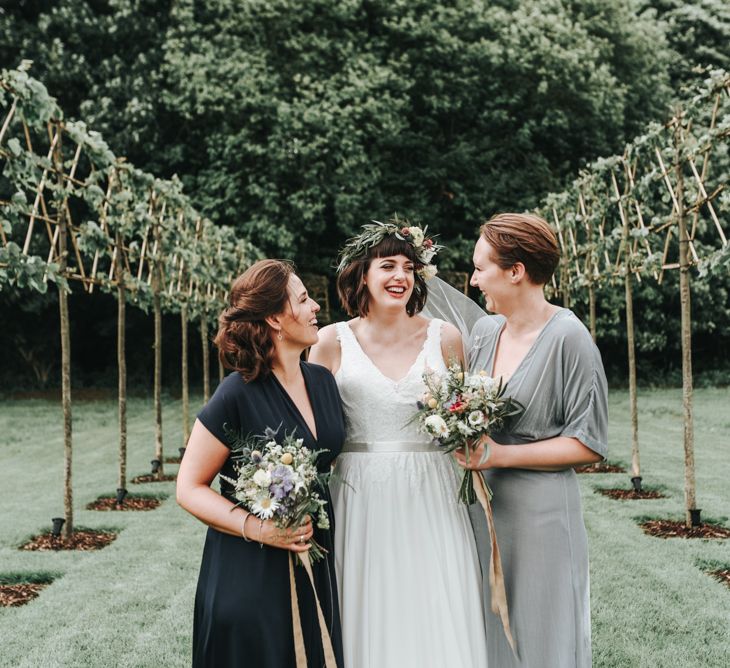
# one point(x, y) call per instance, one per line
point(459, 408)
point(279, 481)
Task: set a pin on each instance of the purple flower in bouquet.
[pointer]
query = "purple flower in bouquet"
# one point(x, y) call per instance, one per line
point(282, 482)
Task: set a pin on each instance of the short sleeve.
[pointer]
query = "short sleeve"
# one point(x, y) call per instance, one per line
point(585, 392)
point(220, 413)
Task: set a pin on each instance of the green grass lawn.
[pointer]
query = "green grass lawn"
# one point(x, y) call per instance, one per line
point(130, 604)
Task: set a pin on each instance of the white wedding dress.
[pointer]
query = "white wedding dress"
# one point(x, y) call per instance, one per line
point(409, 578)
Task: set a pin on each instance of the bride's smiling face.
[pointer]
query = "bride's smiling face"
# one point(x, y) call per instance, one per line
point(390, 281)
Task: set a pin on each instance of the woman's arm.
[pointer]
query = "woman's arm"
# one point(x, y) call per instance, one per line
point(327, 350)
point(551, 454)
point(204, 458)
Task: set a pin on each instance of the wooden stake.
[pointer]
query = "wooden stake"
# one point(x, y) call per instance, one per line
point(122, 369)
point(157, 308)
point(65, 364)
point(630, 334)
point(686, 318)
point(633, 403)
point(185, 371)
point(206, 356)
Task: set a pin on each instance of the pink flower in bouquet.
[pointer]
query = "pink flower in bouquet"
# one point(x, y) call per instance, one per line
point(457, 406)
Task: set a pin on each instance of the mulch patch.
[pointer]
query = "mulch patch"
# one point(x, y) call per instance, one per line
point(152, 477)
point(627, 494)
point(723, 575)
point(83, 539)
point(14, 595)
point(130, 503)
point(600, 468)
point(674, 529)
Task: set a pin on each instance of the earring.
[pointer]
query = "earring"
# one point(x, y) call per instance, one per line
point(279, 336)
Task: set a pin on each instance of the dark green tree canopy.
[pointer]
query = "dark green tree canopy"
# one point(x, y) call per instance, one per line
point(298, 121)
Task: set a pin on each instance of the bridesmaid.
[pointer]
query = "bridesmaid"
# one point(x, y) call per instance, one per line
point(553, 368)
point(242, 604)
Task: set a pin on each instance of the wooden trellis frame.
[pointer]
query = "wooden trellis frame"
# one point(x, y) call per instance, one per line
point(628, 188)
point(53, 233)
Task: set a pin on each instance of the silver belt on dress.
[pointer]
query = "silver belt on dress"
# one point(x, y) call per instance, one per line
point(389, 446)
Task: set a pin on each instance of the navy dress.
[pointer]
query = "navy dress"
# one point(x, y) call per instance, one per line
point(243, 600)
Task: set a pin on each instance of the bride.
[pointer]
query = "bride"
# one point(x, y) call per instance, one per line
point(406, 561)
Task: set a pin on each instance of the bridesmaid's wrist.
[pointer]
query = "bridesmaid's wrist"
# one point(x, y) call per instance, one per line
point(495, 459)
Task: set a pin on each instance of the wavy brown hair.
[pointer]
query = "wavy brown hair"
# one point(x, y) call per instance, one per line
point(522, 237)
point(351, 287)
point(244, 337)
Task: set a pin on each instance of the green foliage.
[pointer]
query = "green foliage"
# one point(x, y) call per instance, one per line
point(698, 31)
point(23, 272)
point(321, 116)
point(122, 221)
point(297, 122)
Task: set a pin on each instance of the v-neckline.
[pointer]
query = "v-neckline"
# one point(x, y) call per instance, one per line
point(529, 352)
point(421, 353)
point(313, 434)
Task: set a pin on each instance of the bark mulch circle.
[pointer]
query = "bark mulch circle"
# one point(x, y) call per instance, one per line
point(130, 503)
point(627, 494)
point(723, 575)
point(600, 468)
point(14, 595)
point(83, 539)
point(674, 529)
point(152, 477)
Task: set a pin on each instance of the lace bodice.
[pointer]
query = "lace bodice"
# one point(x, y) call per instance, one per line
point(377, 408)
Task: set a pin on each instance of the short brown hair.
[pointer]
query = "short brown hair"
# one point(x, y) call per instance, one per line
point(353, 292)
point(525, 238)
point(244, 338)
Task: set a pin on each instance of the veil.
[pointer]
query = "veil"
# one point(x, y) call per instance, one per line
point(447, 303)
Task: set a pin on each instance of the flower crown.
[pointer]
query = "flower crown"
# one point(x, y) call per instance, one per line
point(373, 233)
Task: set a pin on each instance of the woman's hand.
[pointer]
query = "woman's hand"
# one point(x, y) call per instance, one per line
point(552, 454)
point(482, 456)
point(295, 539)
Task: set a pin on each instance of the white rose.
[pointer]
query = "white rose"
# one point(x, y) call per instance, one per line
point(436, 426)
point(428, 272)
point(476, 418)
point(262, 478)
point(416, 235)
point(425, 255)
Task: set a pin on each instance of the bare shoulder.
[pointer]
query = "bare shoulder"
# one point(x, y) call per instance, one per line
point(452, 345)
point(327, 350)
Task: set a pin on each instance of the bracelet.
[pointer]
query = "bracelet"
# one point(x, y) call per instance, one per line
point(243, 527)
point(261, 528)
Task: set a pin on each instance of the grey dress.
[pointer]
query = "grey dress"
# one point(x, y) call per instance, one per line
point(538, 515)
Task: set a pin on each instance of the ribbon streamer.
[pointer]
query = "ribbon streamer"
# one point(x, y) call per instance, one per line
point(496, 575)
point(299, 649)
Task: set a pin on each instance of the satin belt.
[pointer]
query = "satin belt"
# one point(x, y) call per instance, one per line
point(388, 446)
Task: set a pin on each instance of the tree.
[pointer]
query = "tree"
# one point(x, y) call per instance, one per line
point(698, 31)
point(318, 116)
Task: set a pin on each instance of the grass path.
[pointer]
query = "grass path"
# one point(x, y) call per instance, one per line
point(131, 603)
